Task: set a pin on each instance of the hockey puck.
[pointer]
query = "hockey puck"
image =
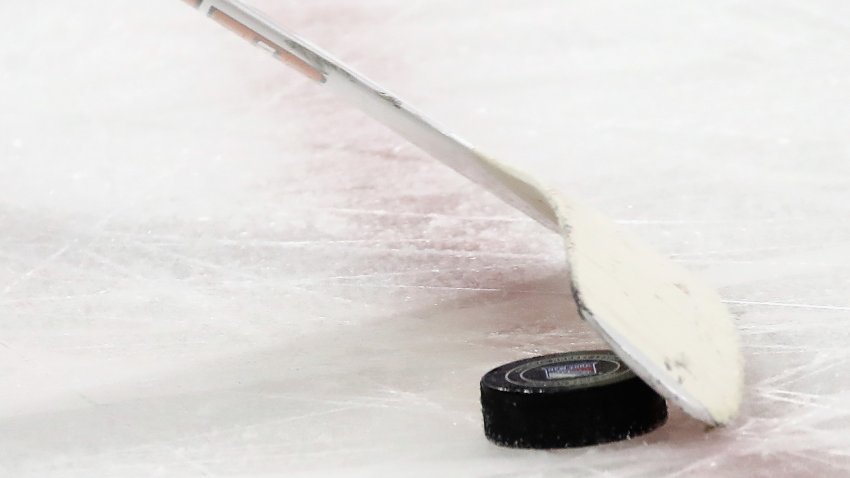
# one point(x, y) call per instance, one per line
point(568, 400)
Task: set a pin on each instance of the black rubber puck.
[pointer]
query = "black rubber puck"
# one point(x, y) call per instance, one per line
point(568, 400)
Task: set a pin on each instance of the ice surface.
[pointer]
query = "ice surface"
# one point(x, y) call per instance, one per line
point(210, 267)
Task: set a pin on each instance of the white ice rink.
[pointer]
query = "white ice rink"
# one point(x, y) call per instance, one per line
point(209, 266)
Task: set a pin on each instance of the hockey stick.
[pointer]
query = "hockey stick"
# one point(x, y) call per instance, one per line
point(668, 326)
